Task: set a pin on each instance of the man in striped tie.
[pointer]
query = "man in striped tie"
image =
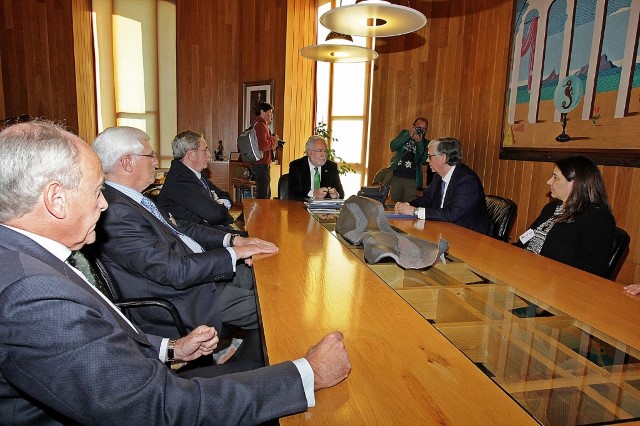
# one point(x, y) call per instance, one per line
point(187, 193)
point(151, 253)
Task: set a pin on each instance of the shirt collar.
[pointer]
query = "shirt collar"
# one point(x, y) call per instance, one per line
point(129, 192)
point(447, 177)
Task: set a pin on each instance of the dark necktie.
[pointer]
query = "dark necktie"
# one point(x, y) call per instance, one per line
point(205, 184)
point(442, 189)
point(78, 261)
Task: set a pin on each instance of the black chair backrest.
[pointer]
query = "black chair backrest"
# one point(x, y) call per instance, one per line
point(378, 193)
point(620, 245)
point(283, 187)
point(502, 212)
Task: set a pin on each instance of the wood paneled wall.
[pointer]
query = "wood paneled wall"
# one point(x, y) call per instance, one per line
point(453, 72)
point(221, 45)
point(39, 63)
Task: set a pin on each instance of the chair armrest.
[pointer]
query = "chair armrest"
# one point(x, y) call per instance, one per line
point(159, 302)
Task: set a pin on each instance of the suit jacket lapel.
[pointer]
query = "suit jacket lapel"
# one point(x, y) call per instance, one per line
point(20, 243)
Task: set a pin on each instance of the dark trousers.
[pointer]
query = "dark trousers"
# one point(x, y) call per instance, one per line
point(262, 175)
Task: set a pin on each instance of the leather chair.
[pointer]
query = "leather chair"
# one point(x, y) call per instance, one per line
point(114, 295)
point(620, 245)
point(283, 187)
point(152, 193)
point(502, 212)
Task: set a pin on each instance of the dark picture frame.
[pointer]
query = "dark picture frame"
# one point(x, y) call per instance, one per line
point(252, 93)
point(602, 125)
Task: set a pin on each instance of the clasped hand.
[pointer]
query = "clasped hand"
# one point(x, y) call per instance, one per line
point(321, 193)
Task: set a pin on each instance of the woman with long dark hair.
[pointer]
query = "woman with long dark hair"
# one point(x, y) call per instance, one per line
point(577, 228)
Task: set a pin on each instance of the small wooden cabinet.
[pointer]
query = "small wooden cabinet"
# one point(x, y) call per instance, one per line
point(219, 174)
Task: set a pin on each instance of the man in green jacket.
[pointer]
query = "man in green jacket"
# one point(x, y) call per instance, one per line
point(409, 155)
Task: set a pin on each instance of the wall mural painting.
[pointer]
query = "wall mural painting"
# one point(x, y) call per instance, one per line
point(574, 81)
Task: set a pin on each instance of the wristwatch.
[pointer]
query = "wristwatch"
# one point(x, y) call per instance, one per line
point(231, 239)
point(171, 348)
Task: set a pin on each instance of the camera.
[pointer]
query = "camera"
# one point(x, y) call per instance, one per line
point(420, 131)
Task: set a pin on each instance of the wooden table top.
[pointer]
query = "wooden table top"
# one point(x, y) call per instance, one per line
point(404, 371)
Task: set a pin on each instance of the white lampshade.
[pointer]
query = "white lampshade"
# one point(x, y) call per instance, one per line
point(373, 18)
point(338, 48)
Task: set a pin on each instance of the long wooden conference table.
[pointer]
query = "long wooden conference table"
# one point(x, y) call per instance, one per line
point(451, 344)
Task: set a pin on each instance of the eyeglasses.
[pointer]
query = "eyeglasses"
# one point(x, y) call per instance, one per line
point(432, 155)
point(152, 155)
point(319, 151)
point(201, 150)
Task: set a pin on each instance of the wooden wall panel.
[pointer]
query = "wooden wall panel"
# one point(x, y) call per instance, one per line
point(85, 70)
point(37, 50)
point(299, 80)
point(453, 72)
point(220, 45)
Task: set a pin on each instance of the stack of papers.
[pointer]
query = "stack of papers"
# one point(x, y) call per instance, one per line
point(324, 206)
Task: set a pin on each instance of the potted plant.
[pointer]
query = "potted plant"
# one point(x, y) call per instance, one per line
point(323, 130)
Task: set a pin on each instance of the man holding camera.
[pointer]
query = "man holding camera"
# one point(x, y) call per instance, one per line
point(409, 155)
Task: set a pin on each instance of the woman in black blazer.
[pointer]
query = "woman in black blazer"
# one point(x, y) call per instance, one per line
point(577, 228)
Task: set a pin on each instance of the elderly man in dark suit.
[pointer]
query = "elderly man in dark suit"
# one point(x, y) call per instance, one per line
point(313, 176)
point(455, 194)
point(67, 354)
point(187, 193)
point(151, 253)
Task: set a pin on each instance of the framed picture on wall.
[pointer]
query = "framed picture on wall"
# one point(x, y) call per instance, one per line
point(573, 86)
point(254, 92)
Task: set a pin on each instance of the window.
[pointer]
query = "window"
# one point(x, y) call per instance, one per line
point(342, 101)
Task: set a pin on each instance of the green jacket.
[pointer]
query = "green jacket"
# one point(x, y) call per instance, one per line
point(397, 146)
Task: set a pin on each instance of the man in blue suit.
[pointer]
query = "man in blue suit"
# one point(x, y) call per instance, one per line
point(455, 194)
point(67, 354)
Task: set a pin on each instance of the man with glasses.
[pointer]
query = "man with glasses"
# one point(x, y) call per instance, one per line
point(187, 193)
point(409, 155)
point(455, 194)
point(69, 356)
point(151, 253)
point(313, 176)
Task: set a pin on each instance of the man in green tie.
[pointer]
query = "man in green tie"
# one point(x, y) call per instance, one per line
point(313, 176)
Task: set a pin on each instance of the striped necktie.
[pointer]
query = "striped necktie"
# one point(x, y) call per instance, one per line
point(153, 209)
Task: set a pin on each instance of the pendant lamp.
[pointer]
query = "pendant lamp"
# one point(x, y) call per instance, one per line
point(338, 48)
point(373, 18)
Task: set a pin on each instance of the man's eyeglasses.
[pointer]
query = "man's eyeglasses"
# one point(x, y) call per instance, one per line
point(152, 155)
point(432, 155)
point(319, 151)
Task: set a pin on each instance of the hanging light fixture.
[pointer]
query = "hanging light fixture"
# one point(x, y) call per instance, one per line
point(373, 18)
point(338, 48)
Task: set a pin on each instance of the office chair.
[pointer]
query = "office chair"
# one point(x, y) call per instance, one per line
point(113, 294)
point(620, 244)
point(283, 187)
point(502, 213)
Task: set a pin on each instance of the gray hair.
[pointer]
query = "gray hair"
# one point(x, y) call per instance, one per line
point(31, 155)
point(311, 140)
point(185, 142)
point(451, 147)
point(116, 142)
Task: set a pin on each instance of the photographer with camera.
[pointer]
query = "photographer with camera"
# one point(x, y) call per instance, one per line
point(409, 155)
